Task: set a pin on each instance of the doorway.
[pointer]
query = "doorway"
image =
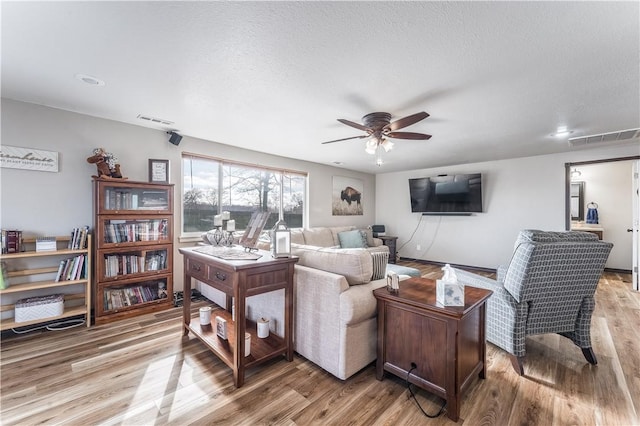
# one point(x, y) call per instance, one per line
point(607, 199)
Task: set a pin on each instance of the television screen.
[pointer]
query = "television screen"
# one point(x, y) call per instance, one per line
point(447, 194)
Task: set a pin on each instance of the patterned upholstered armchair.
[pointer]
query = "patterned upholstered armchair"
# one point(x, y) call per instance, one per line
point(548, 287)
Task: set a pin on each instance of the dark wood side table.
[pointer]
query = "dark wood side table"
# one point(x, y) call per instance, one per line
point(390, 242)
point(239, 279)
point(447, 344)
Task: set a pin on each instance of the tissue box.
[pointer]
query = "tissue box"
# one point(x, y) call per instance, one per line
point(449, 294)
point(35, 308)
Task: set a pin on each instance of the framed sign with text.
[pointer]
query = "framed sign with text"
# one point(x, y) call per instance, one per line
point(15, 157)
point(158, 171)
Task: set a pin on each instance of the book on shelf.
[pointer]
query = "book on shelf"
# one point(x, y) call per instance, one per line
point(11, 241)
point(65, 271)
point(115, 298)
point(72, 265)
point(77, 275)
point(60, 269)
point(72, 269)
point(78, 240)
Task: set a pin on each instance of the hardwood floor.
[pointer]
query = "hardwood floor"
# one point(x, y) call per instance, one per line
point(141, 371)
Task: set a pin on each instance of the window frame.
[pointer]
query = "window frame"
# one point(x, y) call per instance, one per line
point(222, 162)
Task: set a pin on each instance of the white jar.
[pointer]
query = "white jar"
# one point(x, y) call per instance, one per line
point(263, 328)
point(205, 315)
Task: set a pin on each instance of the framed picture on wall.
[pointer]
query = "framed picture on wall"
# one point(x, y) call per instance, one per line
point(346, 199)
point(158, 171)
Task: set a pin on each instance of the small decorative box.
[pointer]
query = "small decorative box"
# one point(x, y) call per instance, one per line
point(35, 308)
point(221, 328)
point(449, 294)
point(46, 244)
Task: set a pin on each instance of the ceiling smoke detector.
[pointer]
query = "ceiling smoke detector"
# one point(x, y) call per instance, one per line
point(617, 136)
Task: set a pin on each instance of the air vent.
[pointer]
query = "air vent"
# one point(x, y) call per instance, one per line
point(620, 135)
point(155, 120)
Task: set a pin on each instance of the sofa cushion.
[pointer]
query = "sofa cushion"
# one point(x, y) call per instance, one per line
point(356, 265)
point(352, 239)
point(380, 260)
point(335, 230)
point(297, 236)
point(368, 233)
point(321, 237)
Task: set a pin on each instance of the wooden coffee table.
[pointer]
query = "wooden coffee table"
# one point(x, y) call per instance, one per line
point(446, 344)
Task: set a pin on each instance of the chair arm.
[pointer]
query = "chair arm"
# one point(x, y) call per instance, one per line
point(475, 280)
point(501, 273)
point(506, 318)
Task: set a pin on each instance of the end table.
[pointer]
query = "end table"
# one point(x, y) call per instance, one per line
point(445, 343)
point(390, 242)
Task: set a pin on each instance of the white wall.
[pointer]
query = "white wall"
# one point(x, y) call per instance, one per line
point(43, 203)
point(523, 193)
point(609, 186)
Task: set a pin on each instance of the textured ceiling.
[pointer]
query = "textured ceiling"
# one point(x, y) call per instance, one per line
point(497, 77)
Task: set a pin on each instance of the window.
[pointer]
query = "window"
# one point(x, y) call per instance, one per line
point(211, 186)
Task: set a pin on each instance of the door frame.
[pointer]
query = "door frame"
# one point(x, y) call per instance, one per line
point(567, 182)
point(635, 226)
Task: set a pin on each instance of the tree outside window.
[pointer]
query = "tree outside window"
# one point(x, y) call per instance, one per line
point(212, 186)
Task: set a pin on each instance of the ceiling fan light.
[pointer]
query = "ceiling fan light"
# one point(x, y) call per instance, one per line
point(371, 146)
point(387, 145)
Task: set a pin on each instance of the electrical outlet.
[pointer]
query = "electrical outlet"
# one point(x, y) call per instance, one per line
point(418, 247)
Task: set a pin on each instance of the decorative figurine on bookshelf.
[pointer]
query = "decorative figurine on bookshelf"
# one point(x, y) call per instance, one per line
point(107, 164)
point(162, 290)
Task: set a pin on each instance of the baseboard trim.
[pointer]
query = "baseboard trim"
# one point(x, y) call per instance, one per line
point(455, 265)
point(479, 268)
point(618, 271)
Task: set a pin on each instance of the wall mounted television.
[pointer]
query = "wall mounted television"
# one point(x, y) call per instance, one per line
point(447, 194)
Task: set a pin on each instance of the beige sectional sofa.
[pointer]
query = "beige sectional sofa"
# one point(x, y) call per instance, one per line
point(334, 308)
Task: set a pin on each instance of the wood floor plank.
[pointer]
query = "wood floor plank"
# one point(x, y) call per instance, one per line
point(569, 411)
point(143, 371)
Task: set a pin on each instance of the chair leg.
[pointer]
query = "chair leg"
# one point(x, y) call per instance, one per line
point(516, 362)
point(589, 355)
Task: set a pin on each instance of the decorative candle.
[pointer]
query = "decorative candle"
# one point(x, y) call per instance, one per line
point(217, 220)
point(263, 328)
point(231, 225)
point(205, 315)
point(226, 215)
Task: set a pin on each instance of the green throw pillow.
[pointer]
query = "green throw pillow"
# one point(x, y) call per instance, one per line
point(352, 239)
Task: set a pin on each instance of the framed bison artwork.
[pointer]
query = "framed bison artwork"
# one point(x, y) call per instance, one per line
point(346, 196)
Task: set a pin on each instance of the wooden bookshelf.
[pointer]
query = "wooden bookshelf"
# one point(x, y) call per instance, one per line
point(25, 281)
point(133, 267)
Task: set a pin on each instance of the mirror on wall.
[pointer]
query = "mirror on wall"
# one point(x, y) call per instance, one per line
point(577, 201)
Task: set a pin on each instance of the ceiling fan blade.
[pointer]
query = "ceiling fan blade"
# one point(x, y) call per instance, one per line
point(408, 135)
point(406, 121)
point(352, 124)
point(346, 139)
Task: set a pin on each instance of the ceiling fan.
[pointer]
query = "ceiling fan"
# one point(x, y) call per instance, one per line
point(378, 128)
